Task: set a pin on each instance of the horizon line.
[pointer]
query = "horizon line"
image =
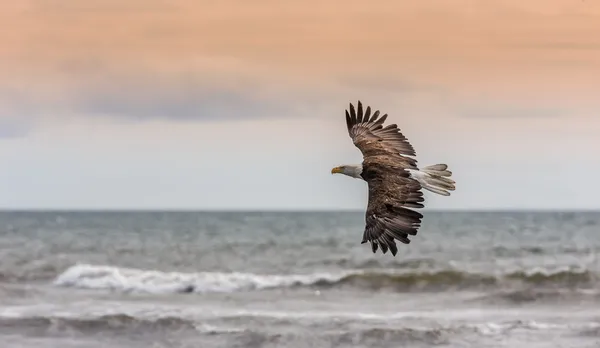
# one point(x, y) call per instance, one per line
point(248, 210)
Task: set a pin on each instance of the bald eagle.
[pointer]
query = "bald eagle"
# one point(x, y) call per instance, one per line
point(393, 179)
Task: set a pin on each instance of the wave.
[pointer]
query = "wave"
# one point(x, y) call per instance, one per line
point(347, 263)
point(252, 333)
point(437, 336)
point(242, 335)
point(140, 281)
point(21, 268)
point(29, 272)
point(523, 296)
point(97, 324)
point(134, 280)
point(458, 280)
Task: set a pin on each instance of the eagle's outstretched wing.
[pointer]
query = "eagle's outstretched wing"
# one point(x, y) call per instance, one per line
point(391, 189)
point(372, 139)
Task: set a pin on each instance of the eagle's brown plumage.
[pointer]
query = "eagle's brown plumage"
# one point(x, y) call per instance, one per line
point(392, 190)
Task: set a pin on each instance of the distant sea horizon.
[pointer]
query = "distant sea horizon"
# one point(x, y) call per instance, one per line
point(199, 210)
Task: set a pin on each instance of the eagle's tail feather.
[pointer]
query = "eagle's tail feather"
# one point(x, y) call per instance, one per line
point(435, 178)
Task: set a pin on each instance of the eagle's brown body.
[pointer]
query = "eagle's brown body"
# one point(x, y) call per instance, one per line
point(394, 180)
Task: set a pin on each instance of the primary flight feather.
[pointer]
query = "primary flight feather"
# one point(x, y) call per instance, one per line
point(393, 179)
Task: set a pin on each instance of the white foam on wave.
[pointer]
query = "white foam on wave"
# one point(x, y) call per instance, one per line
point(135, 280)
point(152, 281)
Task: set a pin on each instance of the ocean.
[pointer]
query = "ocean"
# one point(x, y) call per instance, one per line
point(200, 279)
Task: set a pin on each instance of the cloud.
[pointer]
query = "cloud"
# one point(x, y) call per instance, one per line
point(224, 88)
point(175, 97)
point(11, 128)
point(19, 106)
point(505, 111)
point(212, 89)
point(206, 88)
point(503, 104)
point(379, 82)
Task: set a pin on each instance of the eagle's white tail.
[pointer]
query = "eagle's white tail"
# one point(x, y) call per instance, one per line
point(435, 178)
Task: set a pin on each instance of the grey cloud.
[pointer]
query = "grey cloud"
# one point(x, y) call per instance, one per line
point(17, 108)
point(224, 91)
point(511, 111)
point(190, 95)
point(500, 107)
point(11, 128)
point(93, 88)
point(175, 102)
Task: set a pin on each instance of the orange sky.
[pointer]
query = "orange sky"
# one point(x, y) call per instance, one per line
point(551, 46)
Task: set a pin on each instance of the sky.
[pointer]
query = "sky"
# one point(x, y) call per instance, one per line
point(236, 104)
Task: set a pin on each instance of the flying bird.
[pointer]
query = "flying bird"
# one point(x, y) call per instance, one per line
point(393, 179)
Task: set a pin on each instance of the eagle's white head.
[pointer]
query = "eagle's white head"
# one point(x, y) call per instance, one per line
point(352, 170)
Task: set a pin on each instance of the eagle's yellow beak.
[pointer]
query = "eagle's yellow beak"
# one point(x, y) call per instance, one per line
point(336, 170)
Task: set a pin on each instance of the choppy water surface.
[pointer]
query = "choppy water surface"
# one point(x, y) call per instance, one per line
point(297, 280)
